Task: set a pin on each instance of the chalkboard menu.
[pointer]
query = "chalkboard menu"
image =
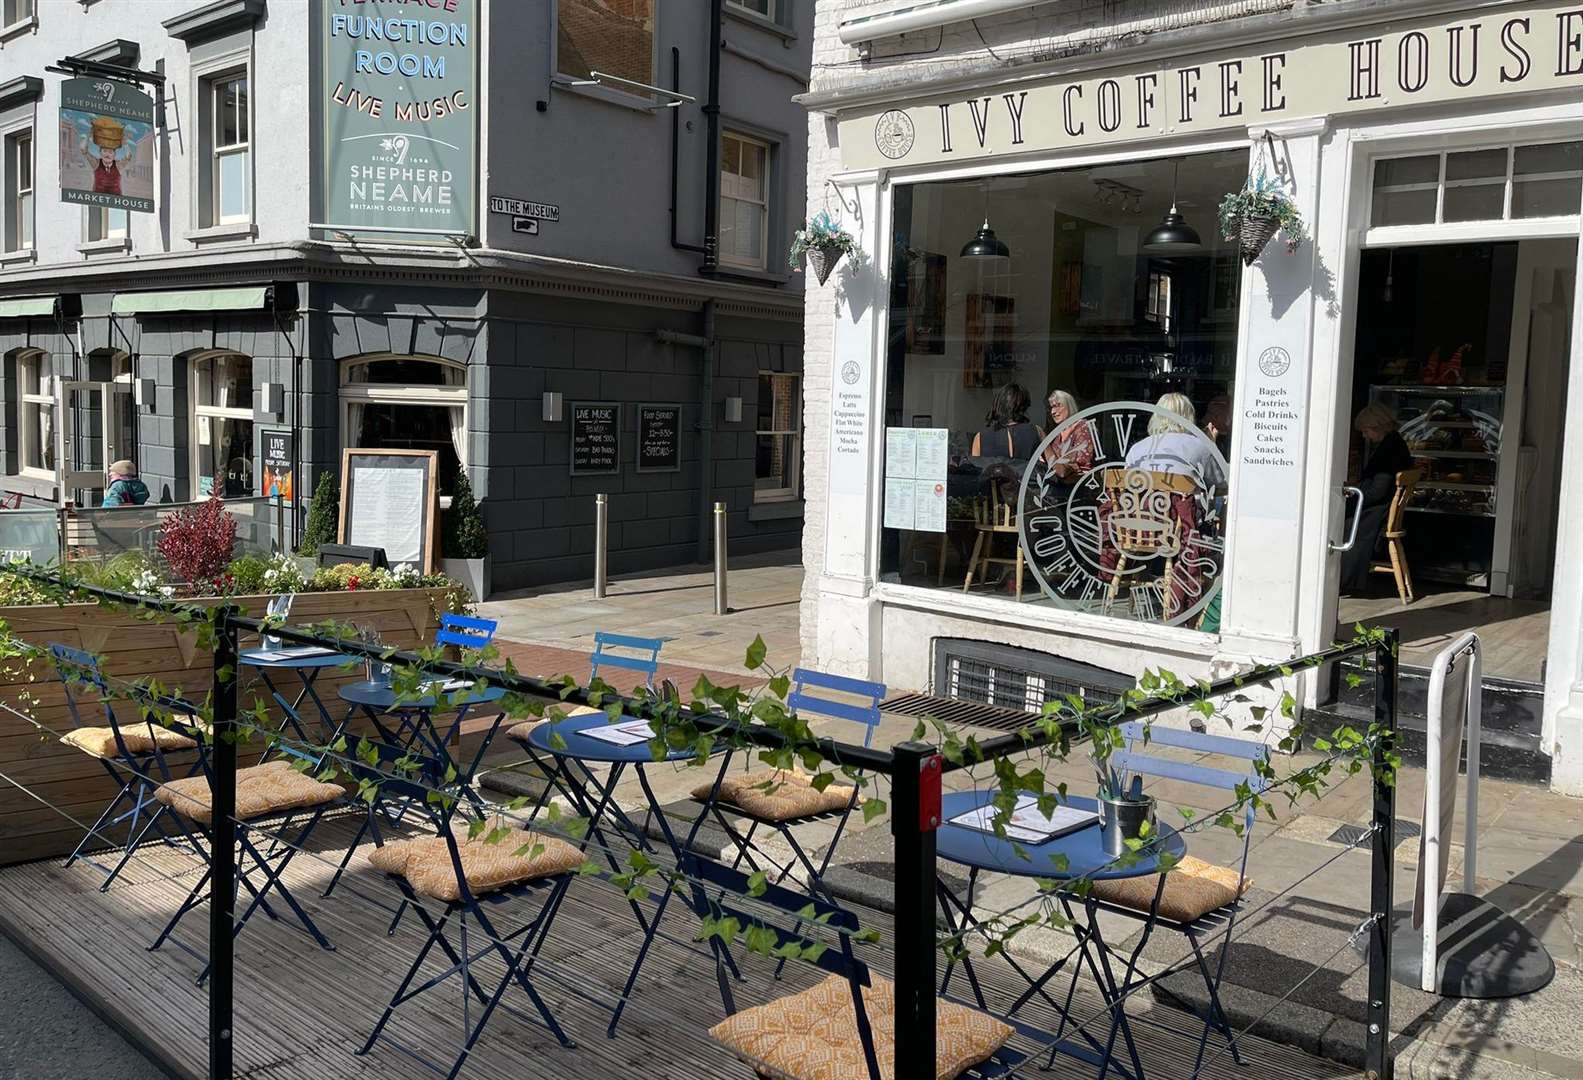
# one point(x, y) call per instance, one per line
point(596, 438)
point(659, 438)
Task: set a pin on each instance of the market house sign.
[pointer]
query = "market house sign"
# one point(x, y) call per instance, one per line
point(398, 90)
point(1483, 54)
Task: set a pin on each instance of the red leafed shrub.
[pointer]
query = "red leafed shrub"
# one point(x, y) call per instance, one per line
point(197, 542)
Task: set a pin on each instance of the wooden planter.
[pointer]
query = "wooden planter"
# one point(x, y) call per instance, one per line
point(74, 783)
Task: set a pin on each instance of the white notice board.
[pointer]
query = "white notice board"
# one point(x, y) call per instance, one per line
point(390, 499)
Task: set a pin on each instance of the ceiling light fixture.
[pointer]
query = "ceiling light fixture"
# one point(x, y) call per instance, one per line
point(1173, 236)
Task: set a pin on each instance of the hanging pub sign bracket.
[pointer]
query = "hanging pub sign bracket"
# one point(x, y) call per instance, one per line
point(93, 69)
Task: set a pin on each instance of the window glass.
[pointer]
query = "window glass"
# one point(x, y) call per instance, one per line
point(1547, 180)
point(777, 425)
point(382, 410)
point(1476, 165)
point(233, 186)
point(744, 203)
point(1548, 158)
point(1056, 387)
point(613, 37)
point(1476, 202)
point(39, 451)
point(225, 454)
point(761, 7)
point(226, 382)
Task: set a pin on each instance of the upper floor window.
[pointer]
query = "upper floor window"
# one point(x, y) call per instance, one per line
point(225, 164)
point(16, 11)
point(611, 37)
point(107, 224)
point(744, 200)
point(19, 191)
point(770, 9)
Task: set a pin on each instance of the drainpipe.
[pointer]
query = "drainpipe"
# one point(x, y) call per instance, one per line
point(712, 150)
point(705, 344)
point(676, 141)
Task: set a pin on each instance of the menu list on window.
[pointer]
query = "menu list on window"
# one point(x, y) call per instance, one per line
point(915, 474)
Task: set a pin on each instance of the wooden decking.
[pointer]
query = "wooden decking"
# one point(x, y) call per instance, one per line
point(301, 1012)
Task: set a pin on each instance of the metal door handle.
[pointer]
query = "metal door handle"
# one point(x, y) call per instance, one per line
point(1352, 537)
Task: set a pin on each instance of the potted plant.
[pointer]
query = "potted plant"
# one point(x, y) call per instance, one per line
point(1255, 214)
point(823, 242)
point(324, 523)
point(464, 542)
point(1125, 812)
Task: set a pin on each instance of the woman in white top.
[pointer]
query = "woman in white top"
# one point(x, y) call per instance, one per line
point(1175, 446)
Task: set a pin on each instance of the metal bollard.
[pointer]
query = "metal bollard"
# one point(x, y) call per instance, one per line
point(721, 607)
point(601, 541)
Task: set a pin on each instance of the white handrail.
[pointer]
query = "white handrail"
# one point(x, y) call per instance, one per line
point(1430, 841)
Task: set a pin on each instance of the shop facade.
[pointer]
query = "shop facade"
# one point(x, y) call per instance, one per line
point(1182, 497)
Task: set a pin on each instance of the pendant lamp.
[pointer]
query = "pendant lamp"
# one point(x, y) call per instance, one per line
point(1173, 236)
point(986, 245)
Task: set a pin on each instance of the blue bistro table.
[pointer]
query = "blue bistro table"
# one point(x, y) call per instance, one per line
point(307, 663)
point(573, 749)
point(1076, 855)
point(415, 731)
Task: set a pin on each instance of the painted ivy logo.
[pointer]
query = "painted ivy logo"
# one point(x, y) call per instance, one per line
point(894, 134)
point(1120, 514)
point(1275, 361)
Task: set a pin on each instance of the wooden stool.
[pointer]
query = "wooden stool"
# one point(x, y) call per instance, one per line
point(1396, 535)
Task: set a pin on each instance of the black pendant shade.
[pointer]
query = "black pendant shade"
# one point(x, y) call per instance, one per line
point(986, 245)
point(1173, 234)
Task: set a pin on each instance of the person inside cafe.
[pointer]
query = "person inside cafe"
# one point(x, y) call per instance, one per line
point(1172, 446)
point(1385, 454)
point(1007, 433)
point(1071, 453)
point(124, 488)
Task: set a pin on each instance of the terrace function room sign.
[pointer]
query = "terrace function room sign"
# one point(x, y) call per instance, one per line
point(1490, 52)
point(399, 93)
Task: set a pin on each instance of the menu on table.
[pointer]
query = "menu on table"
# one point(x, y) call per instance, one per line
point(1027, 825)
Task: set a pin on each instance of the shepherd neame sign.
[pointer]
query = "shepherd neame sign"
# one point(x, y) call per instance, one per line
point(1483, 54)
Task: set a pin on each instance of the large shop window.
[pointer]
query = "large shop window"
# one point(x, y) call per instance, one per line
point(408, 403)
point(1058, 388)
point(222, 419)
point(36, 415)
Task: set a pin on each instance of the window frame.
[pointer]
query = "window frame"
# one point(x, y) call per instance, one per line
point(612, 94)
point(443, 396)
point(13, 17)
point(762, 262)
point(215, 152)
point(200, 411)
point(28, 398)
point(773, 14)
point(795, 434)
point(21, 204)
point(97, 228)
point(1440, 185)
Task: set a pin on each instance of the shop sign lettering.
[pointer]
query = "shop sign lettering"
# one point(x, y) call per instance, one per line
point(1419, 62)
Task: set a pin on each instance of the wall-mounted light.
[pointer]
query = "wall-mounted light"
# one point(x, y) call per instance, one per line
point(272, 399)
point(552, 406)
point(733, 410)
point(143, 391)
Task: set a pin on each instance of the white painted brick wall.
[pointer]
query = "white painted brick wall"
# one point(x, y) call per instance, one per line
point(998, 44)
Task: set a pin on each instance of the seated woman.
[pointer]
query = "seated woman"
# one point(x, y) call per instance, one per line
point(1071, 454)
point(1173, 446)
point(1385, 454)
point(1006, 431)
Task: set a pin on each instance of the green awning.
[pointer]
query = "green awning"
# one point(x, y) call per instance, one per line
point(22, 306)
point(245, 298)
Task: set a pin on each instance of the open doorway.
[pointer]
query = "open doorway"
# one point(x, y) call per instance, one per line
point(1464, 349)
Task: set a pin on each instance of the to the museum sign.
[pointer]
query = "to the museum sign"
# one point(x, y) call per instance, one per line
point(1492, 52)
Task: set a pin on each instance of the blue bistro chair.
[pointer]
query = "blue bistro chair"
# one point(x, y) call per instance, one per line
point(719, 892)
point(133, 754)
point(810, 696)
point(604, 655)
point(465, 631)
point(1175, 901)
point(448, 890)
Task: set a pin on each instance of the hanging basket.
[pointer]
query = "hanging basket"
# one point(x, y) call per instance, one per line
point(1254, 232)
point(822, 259)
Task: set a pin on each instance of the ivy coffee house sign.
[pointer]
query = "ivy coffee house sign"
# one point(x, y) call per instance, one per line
point(399, 91)
point(1490, 52)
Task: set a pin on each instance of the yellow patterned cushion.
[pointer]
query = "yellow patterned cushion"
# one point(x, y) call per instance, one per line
point(427, 866)
point(1193, 889)
point(521, 731)
point(778, 796)
point(263, 789)
point(813, 1035)
point(100, 741)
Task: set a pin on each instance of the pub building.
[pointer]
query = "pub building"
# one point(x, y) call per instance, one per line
point(1067, 432)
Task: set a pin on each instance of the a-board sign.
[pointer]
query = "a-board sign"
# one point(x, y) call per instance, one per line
point(278, 454)
point(596, 437)
point(390, 499)
point(659, 438)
